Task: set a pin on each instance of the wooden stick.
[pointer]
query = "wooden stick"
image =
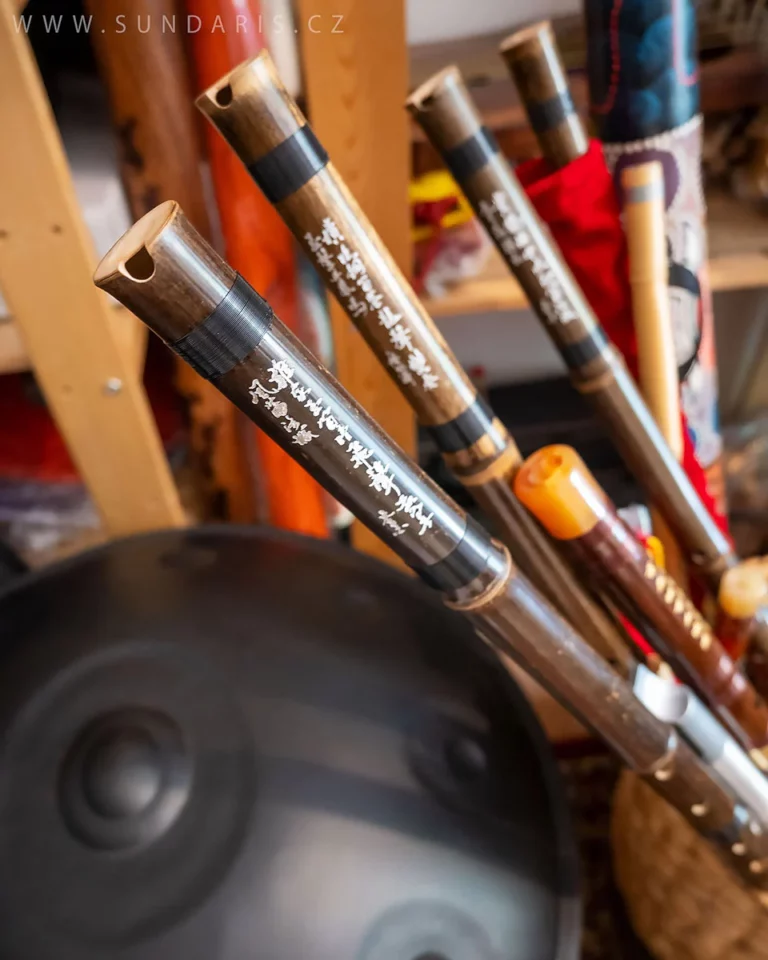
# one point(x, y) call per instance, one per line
point(556, 485)
point(445, 110)
point(257, 116)
point(534, 61)
point(166, 273)
point(643, 186)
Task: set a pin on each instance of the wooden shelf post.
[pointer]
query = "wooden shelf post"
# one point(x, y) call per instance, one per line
point(86, 369)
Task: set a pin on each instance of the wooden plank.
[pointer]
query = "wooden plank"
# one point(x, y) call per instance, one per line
point(46, 263)
point(356, 80)
point(130, 333)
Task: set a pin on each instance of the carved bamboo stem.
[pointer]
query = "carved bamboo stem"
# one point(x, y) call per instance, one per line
point(445, 111)
point(168, 275)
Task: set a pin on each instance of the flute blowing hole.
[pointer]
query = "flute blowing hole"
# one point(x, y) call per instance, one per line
point(140, 267)
point(224, 95)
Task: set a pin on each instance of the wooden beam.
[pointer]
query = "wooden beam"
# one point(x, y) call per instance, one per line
point(356, 81)
point(13, 351)
point(46, 262)
point(129, 332)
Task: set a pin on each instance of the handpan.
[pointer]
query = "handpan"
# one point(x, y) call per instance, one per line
point(226, 743)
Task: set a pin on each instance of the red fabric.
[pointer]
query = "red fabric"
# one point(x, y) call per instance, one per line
point(580, 206)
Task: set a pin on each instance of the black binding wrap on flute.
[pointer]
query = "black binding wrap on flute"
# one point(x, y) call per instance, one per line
point(289, 165)
point(583, 351)
point(471, 155)
point(469, 427)
point(226, 337)
point(550, 113)
point(466, 562)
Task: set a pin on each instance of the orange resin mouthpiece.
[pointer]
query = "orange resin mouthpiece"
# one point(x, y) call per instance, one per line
point(557, 487)
point(743, 590)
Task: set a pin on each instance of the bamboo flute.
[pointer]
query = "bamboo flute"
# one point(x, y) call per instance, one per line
point(643, 189)
point(168, 275)
point(533, 59)
point(445, 111)
point(255, 114)
point(556, 485)
point(535, 65)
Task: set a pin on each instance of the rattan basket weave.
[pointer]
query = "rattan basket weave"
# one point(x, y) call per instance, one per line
point(683, 902)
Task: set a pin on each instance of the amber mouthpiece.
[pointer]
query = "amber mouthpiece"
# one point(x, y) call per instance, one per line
point(743, 590)
point(557, 487)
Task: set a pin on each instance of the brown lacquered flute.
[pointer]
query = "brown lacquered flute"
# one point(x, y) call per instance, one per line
point(265, 127)
point(170, 277)
point(534, 61)
point(556, 485)
point(445, 110)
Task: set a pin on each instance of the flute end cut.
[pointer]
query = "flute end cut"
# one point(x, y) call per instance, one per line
point(533, 32)
point(556, 486)
point(131, 256)
point(423, 96)
point(224, 92)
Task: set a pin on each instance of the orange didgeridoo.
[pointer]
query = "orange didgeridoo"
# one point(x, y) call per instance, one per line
point(558, 488)
point(258, 245)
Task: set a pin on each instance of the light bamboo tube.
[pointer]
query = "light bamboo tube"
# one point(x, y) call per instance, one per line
point(643, 186)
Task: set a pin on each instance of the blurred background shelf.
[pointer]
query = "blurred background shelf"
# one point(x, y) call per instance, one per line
point(738, 242)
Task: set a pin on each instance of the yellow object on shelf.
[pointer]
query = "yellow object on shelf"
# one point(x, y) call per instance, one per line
point(435, 187)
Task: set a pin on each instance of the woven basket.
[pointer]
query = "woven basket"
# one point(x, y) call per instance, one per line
point(683, 902)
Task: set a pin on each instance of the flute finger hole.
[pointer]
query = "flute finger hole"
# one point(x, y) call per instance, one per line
point(140, 267)
point(224, 95)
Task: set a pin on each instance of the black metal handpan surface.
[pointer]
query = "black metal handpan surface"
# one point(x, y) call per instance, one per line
point(226, 743)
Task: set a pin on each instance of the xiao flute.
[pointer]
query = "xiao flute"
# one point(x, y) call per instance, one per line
point(171, 278)
point(556, 485)
point(253, 111)
point(445, 111)
point(534, 61)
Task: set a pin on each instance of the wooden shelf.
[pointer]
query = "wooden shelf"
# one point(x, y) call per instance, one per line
point(738, 246)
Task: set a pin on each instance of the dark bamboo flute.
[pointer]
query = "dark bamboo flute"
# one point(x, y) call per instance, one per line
point(170, 278)
point(556, 485)
point(533, 59)
point(445, 111)
point(259, 119)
